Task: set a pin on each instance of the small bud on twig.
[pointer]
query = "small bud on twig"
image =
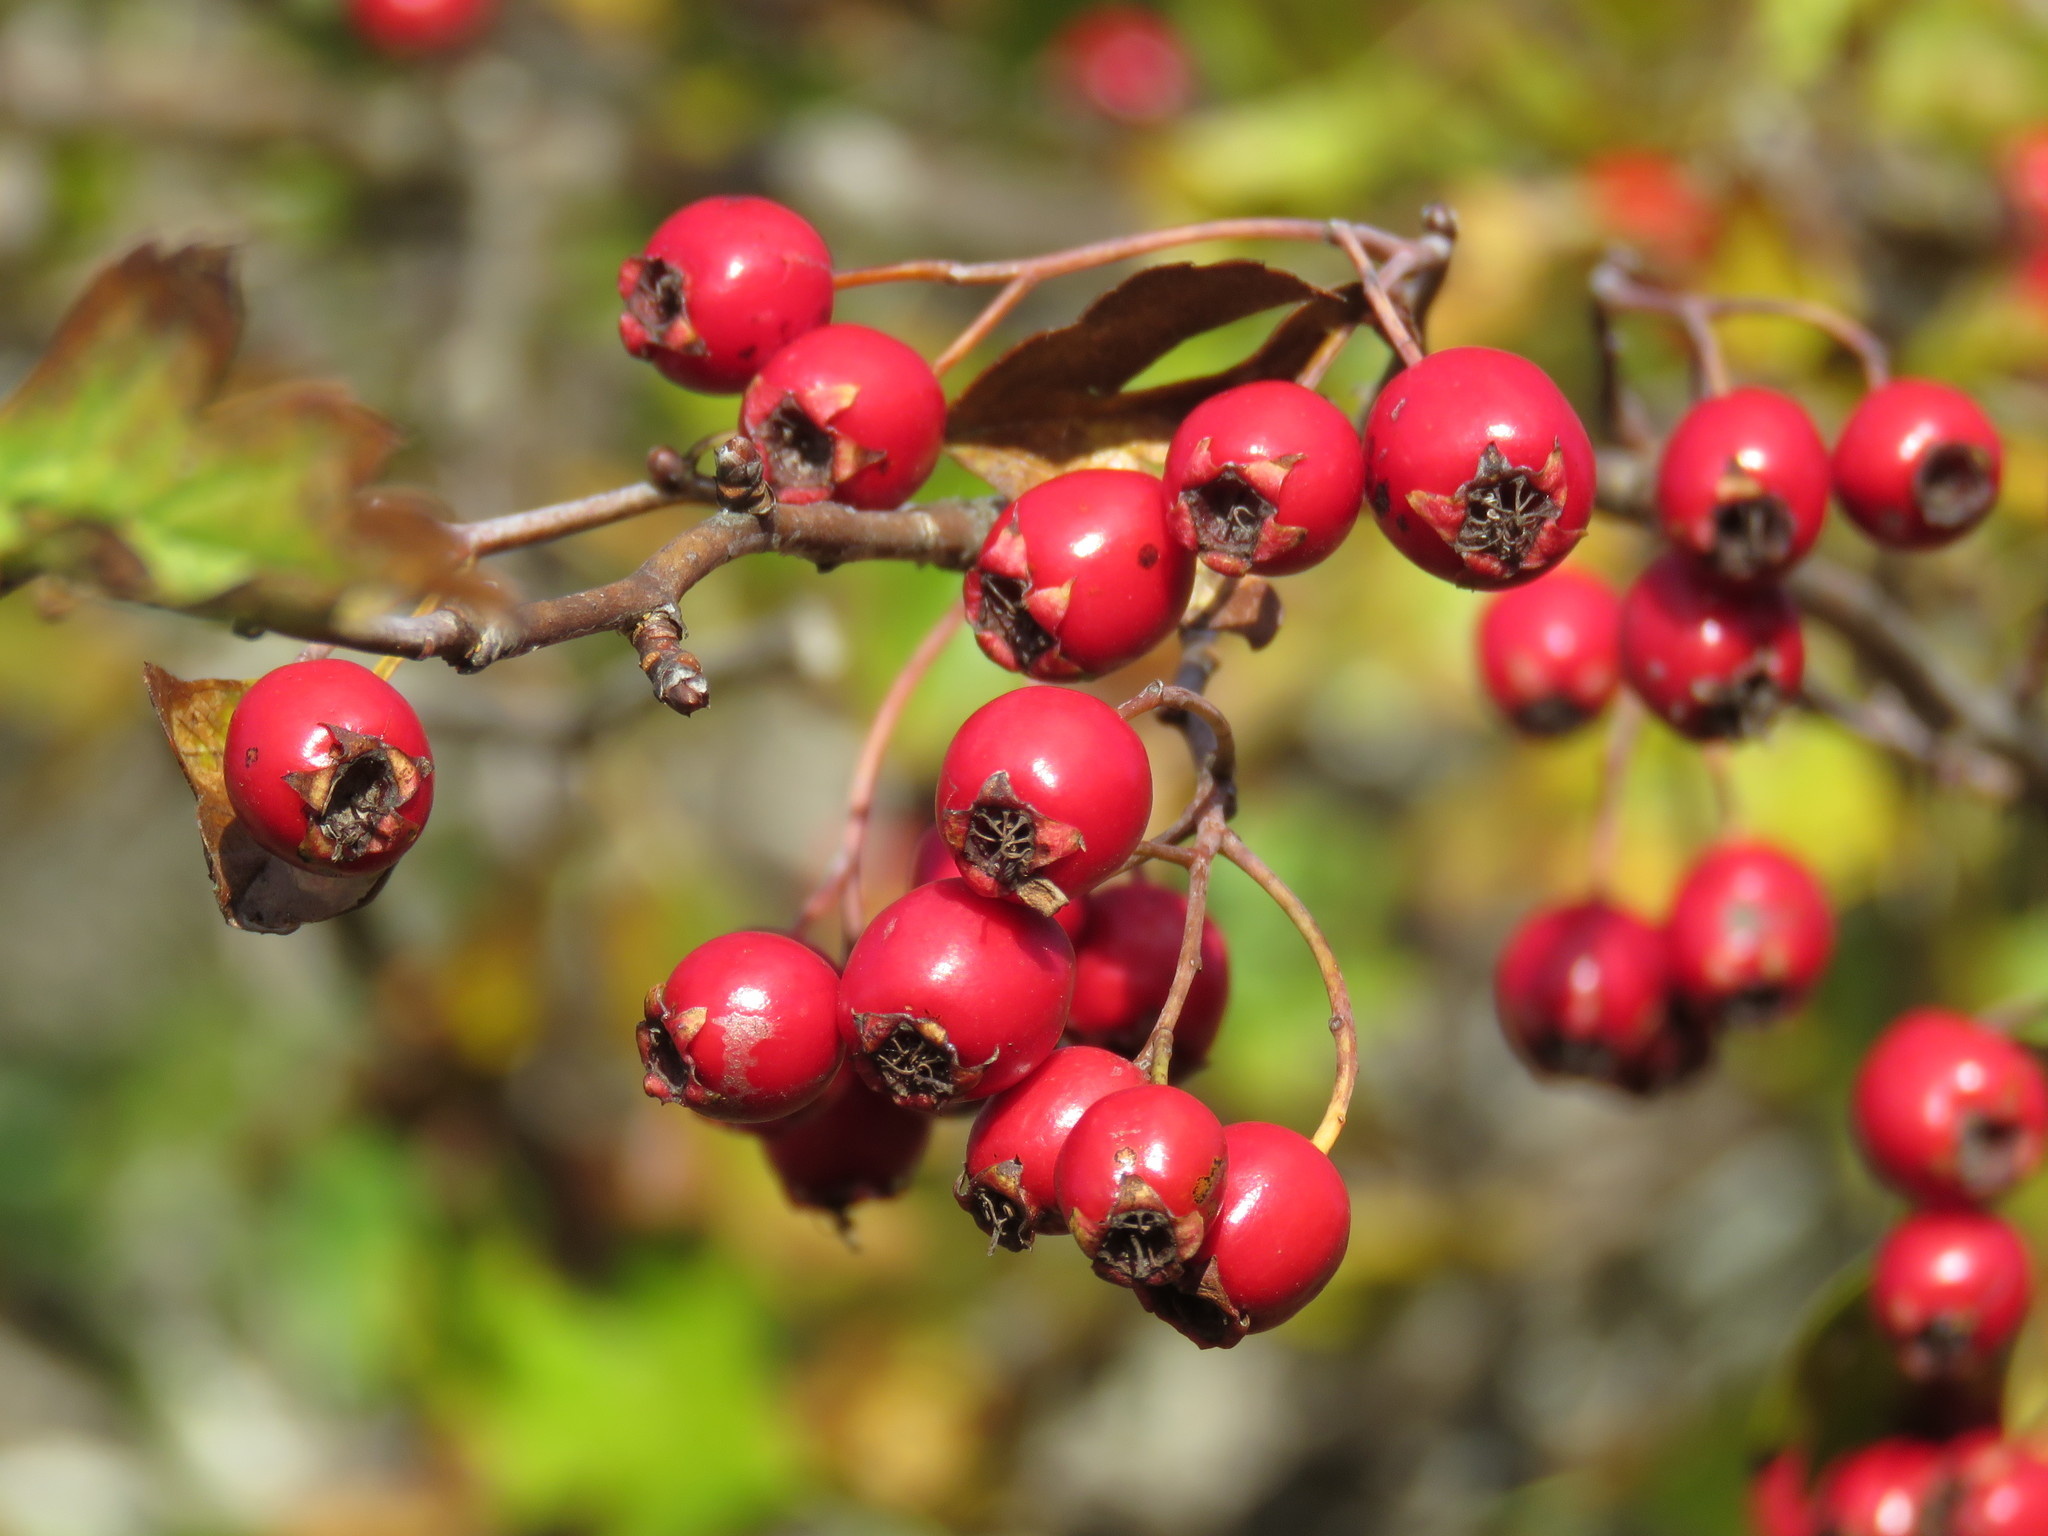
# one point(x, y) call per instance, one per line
point(678, 679)
point(667, 470)
point(742, 478)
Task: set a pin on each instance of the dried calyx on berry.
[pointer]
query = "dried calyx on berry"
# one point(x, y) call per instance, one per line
point(327, 767)
point(1043, 794)
point(1139, 1179)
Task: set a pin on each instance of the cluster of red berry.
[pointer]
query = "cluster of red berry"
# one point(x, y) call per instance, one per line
point(1005, 980)
point(1951, 1113)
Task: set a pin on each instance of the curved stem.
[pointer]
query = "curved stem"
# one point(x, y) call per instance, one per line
point(1623, 728)
point(1870, 353)
point(992, 315)
point(842, 875)
point(1220, 763)
point(1398, 333)
point(1156, 1059)
point(1343, 1028)
point(1614, 288)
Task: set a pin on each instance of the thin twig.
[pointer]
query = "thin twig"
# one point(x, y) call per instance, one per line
point(1614, 289)
point(1392, 324)
point(517, 530)
point(1156, 1059)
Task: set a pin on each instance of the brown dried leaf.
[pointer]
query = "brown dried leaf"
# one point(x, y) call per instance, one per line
point(257, 891)
point(1249, 606)
point(181, 305)
point(1056, 401)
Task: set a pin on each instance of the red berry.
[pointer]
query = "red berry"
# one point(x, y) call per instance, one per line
point(953, 996)
point(1650, 201)
point(1743, 483)
point(1950, 1112)
point(1581, 993)
point(851, 1145)
point(1079, 576)
point(933, 860)
point(1780, 1503)
point(1014, 1148)
point(1713, 661)
point(1478, 468)
point(1043, 795)
point(746, 1029)
point(1139, 1180)
point(1917, 464)
point(1550, 652)
point(844, 413)
point(412, 28)
point(1272, 1247)
point(1123, 968)
point(1128, 63)
point(1750, 934)
point(2001, 1489)
point(327, 767)
point(1885, 1489)
point(722, 286)
point(1950, 1289)
point(1265, 477)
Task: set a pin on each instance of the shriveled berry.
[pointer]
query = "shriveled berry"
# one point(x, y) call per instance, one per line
point(327, 767)
point(1750, 934)
point(1265, 478)
point(845, 413)
point(1014, 1148)
point(746, 1029)
point(1124, 963)
point(723, 285)
point(1780, 1503)
point(1949, 1111)
point(1950, 1289)
point(416, 28)
point(1743, 483)
point(1918, 464)
point(850, 1145)
point(1139, 1179)
point(1477, 467)
point(1715, 662)
point(952, 996)
point(1126, 62)
point(1885, 1489)
point(1278, 1237)
point(1581, 992)
point(1043, 794)
point(1549, 652)
point(2000, 1489)
point(1079, 576)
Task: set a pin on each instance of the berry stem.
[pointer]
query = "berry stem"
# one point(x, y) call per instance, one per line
point(1219, 763)
point(1615, 289)
point(1156, 1059)
point(1342, 1026)
point(1870, 353)
point(1624, 727)
point(1393, 326)
point(842, 875)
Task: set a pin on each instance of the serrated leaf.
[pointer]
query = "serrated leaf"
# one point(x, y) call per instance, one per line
point(1057, 401)
point(257, 891)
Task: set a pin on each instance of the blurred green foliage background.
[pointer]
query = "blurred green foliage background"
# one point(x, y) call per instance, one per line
point(369, 1230)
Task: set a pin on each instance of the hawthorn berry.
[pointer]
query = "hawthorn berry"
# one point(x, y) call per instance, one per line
point(1581, 991)
point(1043, 795)
point(723, 285)
point(1917, 465)
point(1743, 483)
point(1949, 1111)
point(1013, 1149)
point(2000, 1489)
point(1549, 652)
point(850, 1145)
point(1124, 963)
point(1649, 201)
point(746, 1029)
point(415, 28)
point(1714, 661)
point(1278, 1237)
point(1884, 1489)
point(1079, 576)
point(1750, 933)
point(1126, 62)
point(1264, 478)
point(327, 767)
point(1780, 1504)
point(1477, 467)
point(950, 996)
point(845, 413)
point(1950, 1289)
point(1139, 1179)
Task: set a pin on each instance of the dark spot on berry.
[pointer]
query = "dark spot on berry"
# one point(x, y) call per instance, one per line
point(1382, 500)
point(657, 300)
point(1139, 1245)
point(249, 758)
point(1148, 557)
point(1752, 535)
point(1003, 1218)
point(1991, 1153)
point(1953, 485)
point(1551, 716)
point(1742, 707)
point(668, 1074)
